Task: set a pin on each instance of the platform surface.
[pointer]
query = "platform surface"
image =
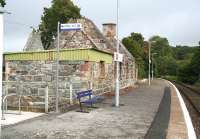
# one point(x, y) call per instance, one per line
point(132, 120)
point(14, 117)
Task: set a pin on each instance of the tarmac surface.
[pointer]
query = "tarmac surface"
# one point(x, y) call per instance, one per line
point(131, 121)
point(14, 117)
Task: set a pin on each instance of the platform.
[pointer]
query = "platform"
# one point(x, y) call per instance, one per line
point(14, 117)
point(133, 120)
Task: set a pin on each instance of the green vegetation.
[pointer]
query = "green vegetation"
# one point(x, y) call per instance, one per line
point(2, 3)
point(61, 10)
point(164, 61)
point(134, 43)
point(190, 72)
point(177, 63)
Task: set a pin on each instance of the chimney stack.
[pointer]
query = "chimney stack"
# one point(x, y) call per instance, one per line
point(109, 30)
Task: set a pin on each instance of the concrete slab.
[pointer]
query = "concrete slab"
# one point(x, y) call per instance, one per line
point(13, 117)
point(129, 121)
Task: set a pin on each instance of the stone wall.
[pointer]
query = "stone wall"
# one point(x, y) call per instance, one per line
point(36, 75)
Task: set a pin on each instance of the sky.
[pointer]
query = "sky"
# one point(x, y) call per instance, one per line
point(177, 20)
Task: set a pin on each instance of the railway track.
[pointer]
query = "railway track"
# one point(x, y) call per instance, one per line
point(191, 97)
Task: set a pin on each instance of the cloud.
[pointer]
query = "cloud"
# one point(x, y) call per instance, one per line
point(14, 44)
point(177, 20)
point(24, 14)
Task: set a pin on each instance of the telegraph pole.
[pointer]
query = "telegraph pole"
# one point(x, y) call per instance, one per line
point(117, 62)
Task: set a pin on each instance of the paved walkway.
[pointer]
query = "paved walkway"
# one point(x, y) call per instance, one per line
point(13, 117)
point(129, 121)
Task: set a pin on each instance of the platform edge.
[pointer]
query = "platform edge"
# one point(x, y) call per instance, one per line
point(188, 121)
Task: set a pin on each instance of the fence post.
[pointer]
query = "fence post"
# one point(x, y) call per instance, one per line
point(46, 100)
point(71, 93)
point(90, 85)
point(6, 103)
point(2, 111)
point(20, 90)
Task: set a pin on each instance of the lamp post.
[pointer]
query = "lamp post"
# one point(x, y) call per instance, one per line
point(57, 65)
point(2, 12)
point(149, 45)
point(152, 65)
point(149, 63)
point(117, 62)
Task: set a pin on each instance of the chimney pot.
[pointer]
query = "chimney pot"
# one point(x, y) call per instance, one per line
point(109, 30)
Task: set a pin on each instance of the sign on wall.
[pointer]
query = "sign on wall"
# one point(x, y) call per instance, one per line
point(70, 26)
point(118, 57)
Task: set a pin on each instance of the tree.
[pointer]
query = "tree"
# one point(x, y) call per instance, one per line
point(137, 37)
point(133, 47)
point(166, 66)
point(134, 44)
point(2, 3)
point(195, 62)
point(61, 10)
point(165, 60)
point(191, 72)
point(183, 52)
point(160, 45)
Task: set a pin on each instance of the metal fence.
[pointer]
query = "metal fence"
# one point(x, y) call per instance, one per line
point(16, 89)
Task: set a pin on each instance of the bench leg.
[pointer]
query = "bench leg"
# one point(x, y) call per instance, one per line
point(92, 106)
point(81, 108)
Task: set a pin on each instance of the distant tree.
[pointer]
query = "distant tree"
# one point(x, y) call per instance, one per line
point(195, 62)
point(191, 72)
point(61, 10)
point(2, 3)
point(133, 47)
point(185, 75)
point(137, 37)
point(134, 44)
point(160, 45)
point(166, 63)
point(183, 52)
point(166, 66)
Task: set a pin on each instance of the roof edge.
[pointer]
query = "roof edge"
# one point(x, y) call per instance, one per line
point(70, 49)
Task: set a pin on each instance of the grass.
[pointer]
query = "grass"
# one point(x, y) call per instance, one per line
point(171, 78)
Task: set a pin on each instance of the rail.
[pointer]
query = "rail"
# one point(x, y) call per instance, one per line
point(189, 95)
point(3, 107)
point(19, 86)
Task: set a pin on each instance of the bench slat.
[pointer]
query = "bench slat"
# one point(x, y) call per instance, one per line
point(89, 101)
point(84, 94)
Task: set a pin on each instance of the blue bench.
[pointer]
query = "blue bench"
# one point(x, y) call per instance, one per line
point(90, 101)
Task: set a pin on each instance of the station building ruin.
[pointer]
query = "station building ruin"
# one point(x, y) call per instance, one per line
point(86, 62)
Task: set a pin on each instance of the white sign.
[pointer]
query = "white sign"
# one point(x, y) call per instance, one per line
point(118, 57)
point(70, 26)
